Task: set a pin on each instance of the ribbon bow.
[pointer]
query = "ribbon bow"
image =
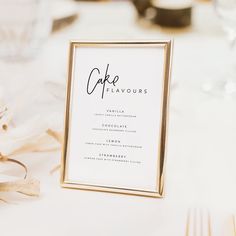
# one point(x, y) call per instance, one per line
point(27, 186)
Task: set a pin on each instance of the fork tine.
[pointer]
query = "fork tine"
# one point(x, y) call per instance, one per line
point(195, 222)
point(191, 225)
point(234, 225)
point(209, 223)
point(198, 223)
point(201, 223)
point(188, 223)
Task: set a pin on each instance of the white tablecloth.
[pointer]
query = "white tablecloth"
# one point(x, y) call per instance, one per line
point(201, 163)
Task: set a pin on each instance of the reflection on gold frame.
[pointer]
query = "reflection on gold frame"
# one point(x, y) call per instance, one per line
point(167, 45)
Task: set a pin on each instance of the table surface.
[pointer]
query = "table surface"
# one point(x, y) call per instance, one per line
point(200, 168)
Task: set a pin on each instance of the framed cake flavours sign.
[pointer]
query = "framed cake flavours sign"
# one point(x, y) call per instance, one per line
point(116, 117)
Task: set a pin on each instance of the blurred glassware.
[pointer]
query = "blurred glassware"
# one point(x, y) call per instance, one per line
point(64, 14)
point(226, 11)
point(61, 23)
point(24, 27)
point(141, 6)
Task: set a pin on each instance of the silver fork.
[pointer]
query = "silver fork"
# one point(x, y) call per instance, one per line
point(198, 223)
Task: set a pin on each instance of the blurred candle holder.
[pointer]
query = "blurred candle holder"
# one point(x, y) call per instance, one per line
point(173, 13)
point(24, 27)
point(165, 13)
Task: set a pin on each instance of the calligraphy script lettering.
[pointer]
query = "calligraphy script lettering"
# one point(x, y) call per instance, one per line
point(94, 80)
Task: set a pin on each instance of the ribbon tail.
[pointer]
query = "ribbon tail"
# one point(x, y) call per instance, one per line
point(56, 168)
point(3, 200)
point(27, 186)
point(56, 135)
point(30, 187)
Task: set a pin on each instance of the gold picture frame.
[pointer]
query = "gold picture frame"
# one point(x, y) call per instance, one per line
point(167, 47)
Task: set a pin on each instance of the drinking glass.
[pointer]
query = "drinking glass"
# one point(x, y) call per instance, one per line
point(24, 27)
point(226, 11)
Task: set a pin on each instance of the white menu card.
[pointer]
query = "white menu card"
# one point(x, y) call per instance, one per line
point(116, 114)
